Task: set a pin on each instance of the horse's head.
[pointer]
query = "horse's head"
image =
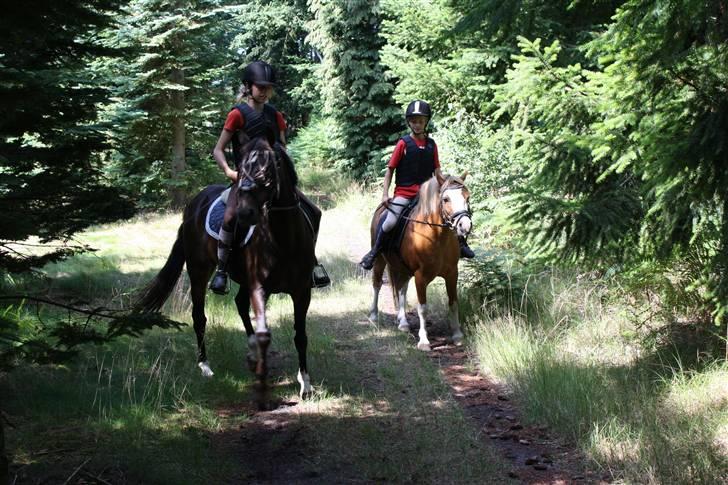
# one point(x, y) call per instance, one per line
point(258, 180)
point(455, 204)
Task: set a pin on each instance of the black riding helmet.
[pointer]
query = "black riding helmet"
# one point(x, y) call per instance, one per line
point(418, 107)
point(260, 73)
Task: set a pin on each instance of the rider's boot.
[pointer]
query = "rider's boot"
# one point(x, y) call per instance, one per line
point(465, 251)
point(219, 284)
point(367, 262)
point(319, 276)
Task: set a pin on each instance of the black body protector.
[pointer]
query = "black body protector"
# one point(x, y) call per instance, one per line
point(417, 164)
point(256, 125)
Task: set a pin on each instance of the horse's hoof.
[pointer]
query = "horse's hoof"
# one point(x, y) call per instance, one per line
point(205, 368)
point(424, 346)
point(373, 318)
point(305, 395)
point(457, 340)
point(403, 327)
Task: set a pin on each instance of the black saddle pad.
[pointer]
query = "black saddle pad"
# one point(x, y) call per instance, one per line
point(395, 240)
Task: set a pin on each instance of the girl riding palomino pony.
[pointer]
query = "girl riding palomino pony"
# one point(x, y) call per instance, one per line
point(414, 160)
point(429, 249)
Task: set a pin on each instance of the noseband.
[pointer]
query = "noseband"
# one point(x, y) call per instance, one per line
point(452, 220)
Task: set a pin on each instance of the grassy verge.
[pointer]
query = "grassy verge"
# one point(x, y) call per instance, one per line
point(572, 358)
point(138, 411)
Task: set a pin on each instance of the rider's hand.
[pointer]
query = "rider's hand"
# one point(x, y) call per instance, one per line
point(385, 199)
point(232, 175)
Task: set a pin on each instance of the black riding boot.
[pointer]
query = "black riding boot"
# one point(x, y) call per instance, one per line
point(219, 284)
point(465, 251)
point(367, 262)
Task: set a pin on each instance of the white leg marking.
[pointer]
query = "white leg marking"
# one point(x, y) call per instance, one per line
point(260, 324)
point(205, 368)
point(457, 334)
point(402, 313)
point(305, 381)
point(374, 309)
point(423, 344)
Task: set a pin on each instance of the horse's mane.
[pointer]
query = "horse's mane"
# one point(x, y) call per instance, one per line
point(430, 196)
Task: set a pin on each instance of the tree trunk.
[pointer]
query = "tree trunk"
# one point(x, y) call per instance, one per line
point(179, 164)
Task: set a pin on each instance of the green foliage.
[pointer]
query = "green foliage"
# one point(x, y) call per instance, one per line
point(51, 180)
point(170, 95)
point(356, 93)
point(275, 31)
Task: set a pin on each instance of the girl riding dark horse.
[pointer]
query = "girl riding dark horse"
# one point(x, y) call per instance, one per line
point(278, 258)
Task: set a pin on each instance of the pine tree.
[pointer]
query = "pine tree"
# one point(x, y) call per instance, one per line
point(51, 182)
point(171, 91)
point(355, 91)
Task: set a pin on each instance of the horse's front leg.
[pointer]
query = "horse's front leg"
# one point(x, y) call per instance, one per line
point(301, 302)
point(261, 339)
point(421, 283)
point(242, 302)
point(451, 285)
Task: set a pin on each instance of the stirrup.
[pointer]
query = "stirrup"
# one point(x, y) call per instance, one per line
point(319, 277)
point(220, 284)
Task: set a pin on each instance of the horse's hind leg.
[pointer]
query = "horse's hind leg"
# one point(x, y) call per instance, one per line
point(301, 302)
point(421, 285)
point(402, 325)
point(377, 271)
point(198, 283)
point(451, 284)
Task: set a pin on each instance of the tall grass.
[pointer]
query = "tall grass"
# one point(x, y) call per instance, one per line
point(570, 356)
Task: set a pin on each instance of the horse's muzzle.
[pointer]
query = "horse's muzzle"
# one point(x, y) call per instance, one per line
point(463, 225)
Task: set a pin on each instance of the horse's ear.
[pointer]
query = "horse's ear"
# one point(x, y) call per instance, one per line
point(465, 174)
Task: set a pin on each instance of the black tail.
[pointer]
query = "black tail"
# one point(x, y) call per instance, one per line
point(158, 290)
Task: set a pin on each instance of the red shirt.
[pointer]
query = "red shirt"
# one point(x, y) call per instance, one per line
point(235, 121)
point(411, 191)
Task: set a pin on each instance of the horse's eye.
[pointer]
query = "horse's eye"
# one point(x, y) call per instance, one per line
point(446, 199)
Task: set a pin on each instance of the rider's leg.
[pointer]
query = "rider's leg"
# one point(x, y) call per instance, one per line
point(386, 224)
point(465, 251)
point(224, 243)
point(320, 277)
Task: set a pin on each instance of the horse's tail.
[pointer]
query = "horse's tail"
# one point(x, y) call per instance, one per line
point(393, 287)
point(158, 290)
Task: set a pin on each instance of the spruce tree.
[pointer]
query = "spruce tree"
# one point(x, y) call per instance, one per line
point(51, 182)
point(355, 91)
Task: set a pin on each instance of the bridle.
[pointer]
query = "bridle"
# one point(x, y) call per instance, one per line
point(452, 220)
point(247, 181)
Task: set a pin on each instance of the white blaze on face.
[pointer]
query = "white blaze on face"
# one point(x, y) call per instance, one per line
point(458, 204)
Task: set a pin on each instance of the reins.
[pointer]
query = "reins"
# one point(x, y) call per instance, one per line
point(449, 223)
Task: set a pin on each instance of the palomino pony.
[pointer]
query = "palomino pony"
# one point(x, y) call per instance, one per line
point(429, 249)
point(278, 258)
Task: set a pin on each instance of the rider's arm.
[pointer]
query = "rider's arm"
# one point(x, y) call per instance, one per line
point(218, 154)
point(387, 183)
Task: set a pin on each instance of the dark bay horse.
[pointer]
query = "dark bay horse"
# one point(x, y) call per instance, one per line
point(429, 249)
point(278, 258)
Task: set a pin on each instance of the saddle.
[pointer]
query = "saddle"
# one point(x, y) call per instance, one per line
point(394, 241)
point(216, 213)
